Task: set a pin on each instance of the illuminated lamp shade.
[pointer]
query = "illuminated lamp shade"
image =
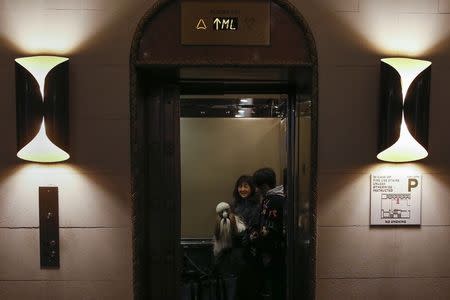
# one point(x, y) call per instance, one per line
point(405, 98)
point(42, 108)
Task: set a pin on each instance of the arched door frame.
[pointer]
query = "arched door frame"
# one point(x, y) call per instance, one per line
point(156, 146)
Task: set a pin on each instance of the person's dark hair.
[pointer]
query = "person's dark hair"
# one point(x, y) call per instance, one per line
point(265, 176)
point(244, 179)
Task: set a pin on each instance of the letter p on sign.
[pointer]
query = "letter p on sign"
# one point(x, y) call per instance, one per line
point(412, 183)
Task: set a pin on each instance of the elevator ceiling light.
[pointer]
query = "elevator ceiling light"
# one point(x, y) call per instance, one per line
point(405, 89)
point(42, 108)
point(246, 101)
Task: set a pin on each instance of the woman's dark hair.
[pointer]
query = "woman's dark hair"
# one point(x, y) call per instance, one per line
point(243, 179)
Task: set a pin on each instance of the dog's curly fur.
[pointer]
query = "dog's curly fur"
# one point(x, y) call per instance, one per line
point(227, 226)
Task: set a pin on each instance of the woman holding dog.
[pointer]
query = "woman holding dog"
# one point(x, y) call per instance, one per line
point(235, 248)
point(247, 206)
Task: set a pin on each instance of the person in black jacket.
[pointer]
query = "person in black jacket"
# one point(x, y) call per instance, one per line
point(247, 206)
point(270, 239)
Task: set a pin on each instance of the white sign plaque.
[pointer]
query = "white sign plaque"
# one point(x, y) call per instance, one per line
point(395, 199)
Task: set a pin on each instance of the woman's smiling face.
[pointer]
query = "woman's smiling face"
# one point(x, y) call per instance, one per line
point(244, 190)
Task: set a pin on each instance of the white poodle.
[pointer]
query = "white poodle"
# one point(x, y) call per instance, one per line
point(227, 226)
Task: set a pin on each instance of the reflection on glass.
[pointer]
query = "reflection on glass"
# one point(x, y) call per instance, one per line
point(303, 238)
point(304, 138)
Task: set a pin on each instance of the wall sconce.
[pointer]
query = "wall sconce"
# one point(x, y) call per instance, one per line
point(405, 97)
point(42, 135)
point(42, 108)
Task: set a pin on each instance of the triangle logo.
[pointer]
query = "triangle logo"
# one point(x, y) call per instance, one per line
point(201, 25)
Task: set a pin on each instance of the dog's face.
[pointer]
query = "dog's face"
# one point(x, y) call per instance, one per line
point(223, 210)
point(224, 214)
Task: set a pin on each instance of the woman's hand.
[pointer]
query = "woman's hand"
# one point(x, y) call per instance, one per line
point(253, 235)
point(264, 231)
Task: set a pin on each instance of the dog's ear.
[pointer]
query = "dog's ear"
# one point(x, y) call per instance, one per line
point(232, 218)
point(234, 224)
point(217, 228)
point(240, 225)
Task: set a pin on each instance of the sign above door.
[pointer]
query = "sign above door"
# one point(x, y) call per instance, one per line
point(233, 23)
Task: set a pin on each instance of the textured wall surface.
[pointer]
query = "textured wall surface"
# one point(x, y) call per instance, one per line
point(354, 260)
point(94, 187)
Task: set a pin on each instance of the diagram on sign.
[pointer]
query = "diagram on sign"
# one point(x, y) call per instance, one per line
point(395, 206)
point(395, 199)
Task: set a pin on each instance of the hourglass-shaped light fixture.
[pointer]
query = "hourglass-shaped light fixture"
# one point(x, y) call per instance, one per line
point(405, 95)
point(42, 108)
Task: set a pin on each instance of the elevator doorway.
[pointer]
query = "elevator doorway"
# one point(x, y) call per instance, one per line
point(206, 127)
point(180, 93)
point(227, 142)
